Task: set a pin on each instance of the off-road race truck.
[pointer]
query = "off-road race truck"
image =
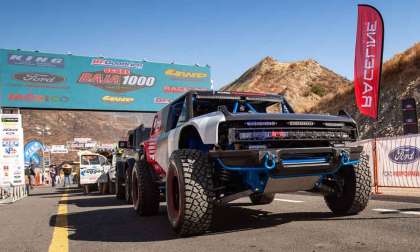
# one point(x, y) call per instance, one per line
point(210, 148)
point(124, 159)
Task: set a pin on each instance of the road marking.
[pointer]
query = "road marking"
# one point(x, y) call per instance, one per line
point(384, 210)
point(288, 200)
point(59, 241)
point(410, 212)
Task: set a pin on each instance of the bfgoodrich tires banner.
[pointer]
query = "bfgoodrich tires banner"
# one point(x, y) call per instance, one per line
point(59, 81)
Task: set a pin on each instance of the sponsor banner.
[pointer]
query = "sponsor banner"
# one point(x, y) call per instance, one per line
point(31, 150)
point(11, 150)
point(59, 149)
point(58, 81)
point(368, 60)
point(398, 160)
point(82, 139)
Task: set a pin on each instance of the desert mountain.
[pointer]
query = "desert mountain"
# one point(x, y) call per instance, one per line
point(400, 78)
point(304, 83)
point(310, 87)
point(103, 127)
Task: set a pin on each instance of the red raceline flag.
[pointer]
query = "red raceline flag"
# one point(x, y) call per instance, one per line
point(368, 60)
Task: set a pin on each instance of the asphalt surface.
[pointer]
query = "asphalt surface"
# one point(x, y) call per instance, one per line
point(294, 222)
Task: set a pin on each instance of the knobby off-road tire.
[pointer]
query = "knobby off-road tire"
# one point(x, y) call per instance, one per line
point(189, 198)
point(262, 198)
point(146, 195)
point(119, 188)
point(127, 188)
point(111, 186)
point(356, 189)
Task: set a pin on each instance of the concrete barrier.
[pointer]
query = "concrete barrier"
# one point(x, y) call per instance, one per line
point(12, 193)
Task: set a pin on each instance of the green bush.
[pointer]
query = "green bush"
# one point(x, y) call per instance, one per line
point(318, 90)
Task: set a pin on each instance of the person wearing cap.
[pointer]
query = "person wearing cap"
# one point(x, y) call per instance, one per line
point(67, 172)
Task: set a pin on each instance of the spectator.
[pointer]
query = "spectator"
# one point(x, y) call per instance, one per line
point(53, 174)
point(67, 172)
point(31, 175)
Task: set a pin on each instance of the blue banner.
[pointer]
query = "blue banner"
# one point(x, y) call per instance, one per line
point(31, 152)
point(59, 81)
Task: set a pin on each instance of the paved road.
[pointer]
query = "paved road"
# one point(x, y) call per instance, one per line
point(294, 222)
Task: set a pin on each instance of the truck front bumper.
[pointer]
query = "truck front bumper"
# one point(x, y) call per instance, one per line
point(288, 162)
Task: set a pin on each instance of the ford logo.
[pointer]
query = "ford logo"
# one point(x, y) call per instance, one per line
point(39, 78)
point(404, 154)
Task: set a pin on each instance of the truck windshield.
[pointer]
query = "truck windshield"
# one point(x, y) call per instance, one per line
point(210, 104)
point(90, 160)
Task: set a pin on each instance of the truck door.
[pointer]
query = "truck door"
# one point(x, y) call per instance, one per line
point(177, 115)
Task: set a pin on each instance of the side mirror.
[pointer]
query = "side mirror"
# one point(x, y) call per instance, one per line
point(122, 144)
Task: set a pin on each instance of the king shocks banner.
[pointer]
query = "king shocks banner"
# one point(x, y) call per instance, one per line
point(58, 81)
point(368, 60)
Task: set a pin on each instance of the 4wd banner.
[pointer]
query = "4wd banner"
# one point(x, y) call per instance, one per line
point(368, 60)
point(59, 81)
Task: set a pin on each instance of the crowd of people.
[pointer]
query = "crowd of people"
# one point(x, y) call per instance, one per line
point(56, 175)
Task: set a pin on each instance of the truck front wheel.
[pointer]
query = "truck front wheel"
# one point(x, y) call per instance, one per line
point(119, 180)
point(354, 183)
point(188, 192)
point(127, 187)
point(146, 195)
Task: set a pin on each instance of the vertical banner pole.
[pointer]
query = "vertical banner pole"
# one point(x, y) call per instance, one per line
point(368, 69)
point(375, 167)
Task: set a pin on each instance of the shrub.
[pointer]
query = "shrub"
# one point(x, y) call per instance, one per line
point(318, 90)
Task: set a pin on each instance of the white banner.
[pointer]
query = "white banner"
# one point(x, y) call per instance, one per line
point(399, 161)
point(12, 168)
point(59, 149)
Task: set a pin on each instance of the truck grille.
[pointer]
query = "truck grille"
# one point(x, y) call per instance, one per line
point(279, 134)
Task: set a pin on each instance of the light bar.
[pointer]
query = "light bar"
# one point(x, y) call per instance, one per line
point(261, 123)
point(333, 124)
point(263, 135)
point(300, 123)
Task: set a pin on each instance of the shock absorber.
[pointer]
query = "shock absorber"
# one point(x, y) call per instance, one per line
point(224, 176)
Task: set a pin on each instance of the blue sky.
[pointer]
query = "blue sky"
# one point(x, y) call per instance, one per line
point(230, 36)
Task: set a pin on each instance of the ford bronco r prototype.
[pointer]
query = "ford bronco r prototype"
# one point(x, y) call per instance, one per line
point(209, 148)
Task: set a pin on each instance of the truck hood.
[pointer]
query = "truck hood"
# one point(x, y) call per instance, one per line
point(287, 117)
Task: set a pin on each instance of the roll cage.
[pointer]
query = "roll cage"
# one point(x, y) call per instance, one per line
point(197, 103)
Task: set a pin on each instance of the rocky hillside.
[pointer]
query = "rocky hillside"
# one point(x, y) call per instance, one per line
point(400, 78)
point(103, 127)
point(304, 83)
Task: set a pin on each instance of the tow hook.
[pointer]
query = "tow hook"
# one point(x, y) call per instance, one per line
point(345, 159)
point(270, 160)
